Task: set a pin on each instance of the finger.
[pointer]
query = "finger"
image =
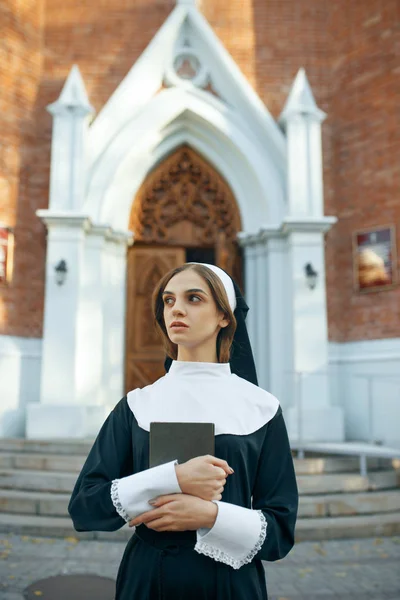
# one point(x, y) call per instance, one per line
point(161, 500)
point(219, 462)
point(220, 473)
point(146, 517)
point(158, 524)
point(221, 482)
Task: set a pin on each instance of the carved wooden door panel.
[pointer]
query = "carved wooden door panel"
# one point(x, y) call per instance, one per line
point(144, 351)
point(229, 257)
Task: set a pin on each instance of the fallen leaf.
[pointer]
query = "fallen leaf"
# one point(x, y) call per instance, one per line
point(71, 539)
point(384, 555)
point(11, 577)
point(378, 542)
point(304, 572)
point(38, 593)
point(340, 574)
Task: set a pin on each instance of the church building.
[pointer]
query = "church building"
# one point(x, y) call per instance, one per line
point(262, 136)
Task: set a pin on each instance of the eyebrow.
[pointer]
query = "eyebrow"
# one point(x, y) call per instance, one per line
point(187, 291)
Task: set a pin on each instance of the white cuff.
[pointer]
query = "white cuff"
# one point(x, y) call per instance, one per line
point(236, 537)
point(130, 495)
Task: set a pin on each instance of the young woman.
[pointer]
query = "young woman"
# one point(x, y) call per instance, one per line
point(202, 527)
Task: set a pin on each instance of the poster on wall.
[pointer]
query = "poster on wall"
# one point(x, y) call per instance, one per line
point(6, 248)
point(374, 253)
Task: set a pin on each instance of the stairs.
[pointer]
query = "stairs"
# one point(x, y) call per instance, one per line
point(37, 477)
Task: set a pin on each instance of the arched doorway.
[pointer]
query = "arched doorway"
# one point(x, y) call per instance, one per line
point(184, 211)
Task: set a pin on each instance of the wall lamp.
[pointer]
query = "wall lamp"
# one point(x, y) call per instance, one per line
point(61, 272)
point(311, 276)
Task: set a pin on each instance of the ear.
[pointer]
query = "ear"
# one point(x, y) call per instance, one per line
point(224, 322)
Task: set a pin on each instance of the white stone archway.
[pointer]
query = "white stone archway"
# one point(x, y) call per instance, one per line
point(172, 118)
point(95, 175)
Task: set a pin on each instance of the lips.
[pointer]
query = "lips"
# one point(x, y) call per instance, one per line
point(178, 324)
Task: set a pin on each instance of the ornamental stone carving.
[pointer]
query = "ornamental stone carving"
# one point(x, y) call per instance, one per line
point(185, 201)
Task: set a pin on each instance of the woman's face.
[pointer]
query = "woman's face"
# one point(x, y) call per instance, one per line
point(187, 299)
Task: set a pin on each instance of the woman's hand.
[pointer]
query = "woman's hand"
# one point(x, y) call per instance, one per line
point(203, 476)
point(178, 512)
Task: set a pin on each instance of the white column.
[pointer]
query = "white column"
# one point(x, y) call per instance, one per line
point(114, 316)
point(301, 118)
point(257, 298)
point(262, 313)
point(311, 416)
point(89, 321)
point(71, 114)
point(71, 375)
point(279, 317)
point(251, 292)
point(65, 241)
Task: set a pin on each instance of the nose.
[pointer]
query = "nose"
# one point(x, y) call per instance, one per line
point(177, 311)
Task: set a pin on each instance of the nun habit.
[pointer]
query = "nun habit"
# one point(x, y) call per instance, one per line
point(257, 514)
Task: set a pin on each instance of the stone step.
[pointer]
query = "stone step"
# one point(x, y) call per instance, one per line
point(63, 482)
point(338, 528)
point(41, 462)
point(306, 530)
point(34, 503)
point(333, 464)
point(44, 481)
point(335, 505)
point(67, 447)
point(333, 483)
point(39, 525)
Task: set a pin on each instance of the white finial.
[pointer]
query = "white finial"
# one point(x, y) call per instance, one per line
point(301, 100)
point(73, 95)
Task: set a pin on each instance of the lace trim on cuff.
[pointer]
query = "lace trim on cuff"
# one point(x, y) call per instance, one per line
point(235, 563)
point(116, 501)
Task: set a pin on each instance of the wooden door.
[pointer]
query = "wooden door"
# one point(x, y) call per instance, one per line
point(144, 351)
point(229, 257)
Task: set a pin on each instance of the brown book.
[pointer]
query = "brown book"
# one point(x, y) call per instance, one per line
point(181, 441)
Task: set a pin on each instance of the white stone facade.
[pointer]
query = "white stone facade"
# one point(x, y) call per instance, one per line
point(275, 172)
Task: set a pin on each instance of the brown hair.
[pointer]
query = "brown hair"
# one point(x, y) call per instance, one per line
point(225, 335)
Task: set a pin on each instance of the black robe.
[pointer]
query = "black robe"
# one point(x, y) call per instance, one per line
point(164, 565)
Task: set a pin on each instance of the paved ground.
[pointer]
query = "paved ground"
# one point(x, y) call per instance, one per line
point(367, 569)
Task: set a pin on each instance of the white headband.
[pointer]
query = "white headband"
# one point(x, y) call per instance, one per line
point(226, 281)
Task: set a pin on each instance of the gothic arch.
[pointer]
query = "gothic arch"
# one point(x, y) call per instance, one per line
point(184, 205)
point(185, 201)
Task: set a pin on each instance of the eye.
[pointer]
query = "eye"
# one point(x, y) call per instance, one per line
point(193, 296)
point(166, 300)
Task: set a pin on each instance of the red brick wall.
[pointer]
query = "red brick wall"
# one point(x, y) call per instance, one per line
point(349, 52)
point(365, 157)
point(21, 58)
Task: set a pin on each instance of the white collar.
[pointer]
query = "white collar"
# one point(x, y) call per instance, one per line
point(186, 368)
point(204, 392)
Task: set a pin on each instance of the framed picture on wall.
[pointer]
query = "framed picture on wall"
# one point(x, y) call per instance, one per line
point(6, 254)
point(374, 259)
